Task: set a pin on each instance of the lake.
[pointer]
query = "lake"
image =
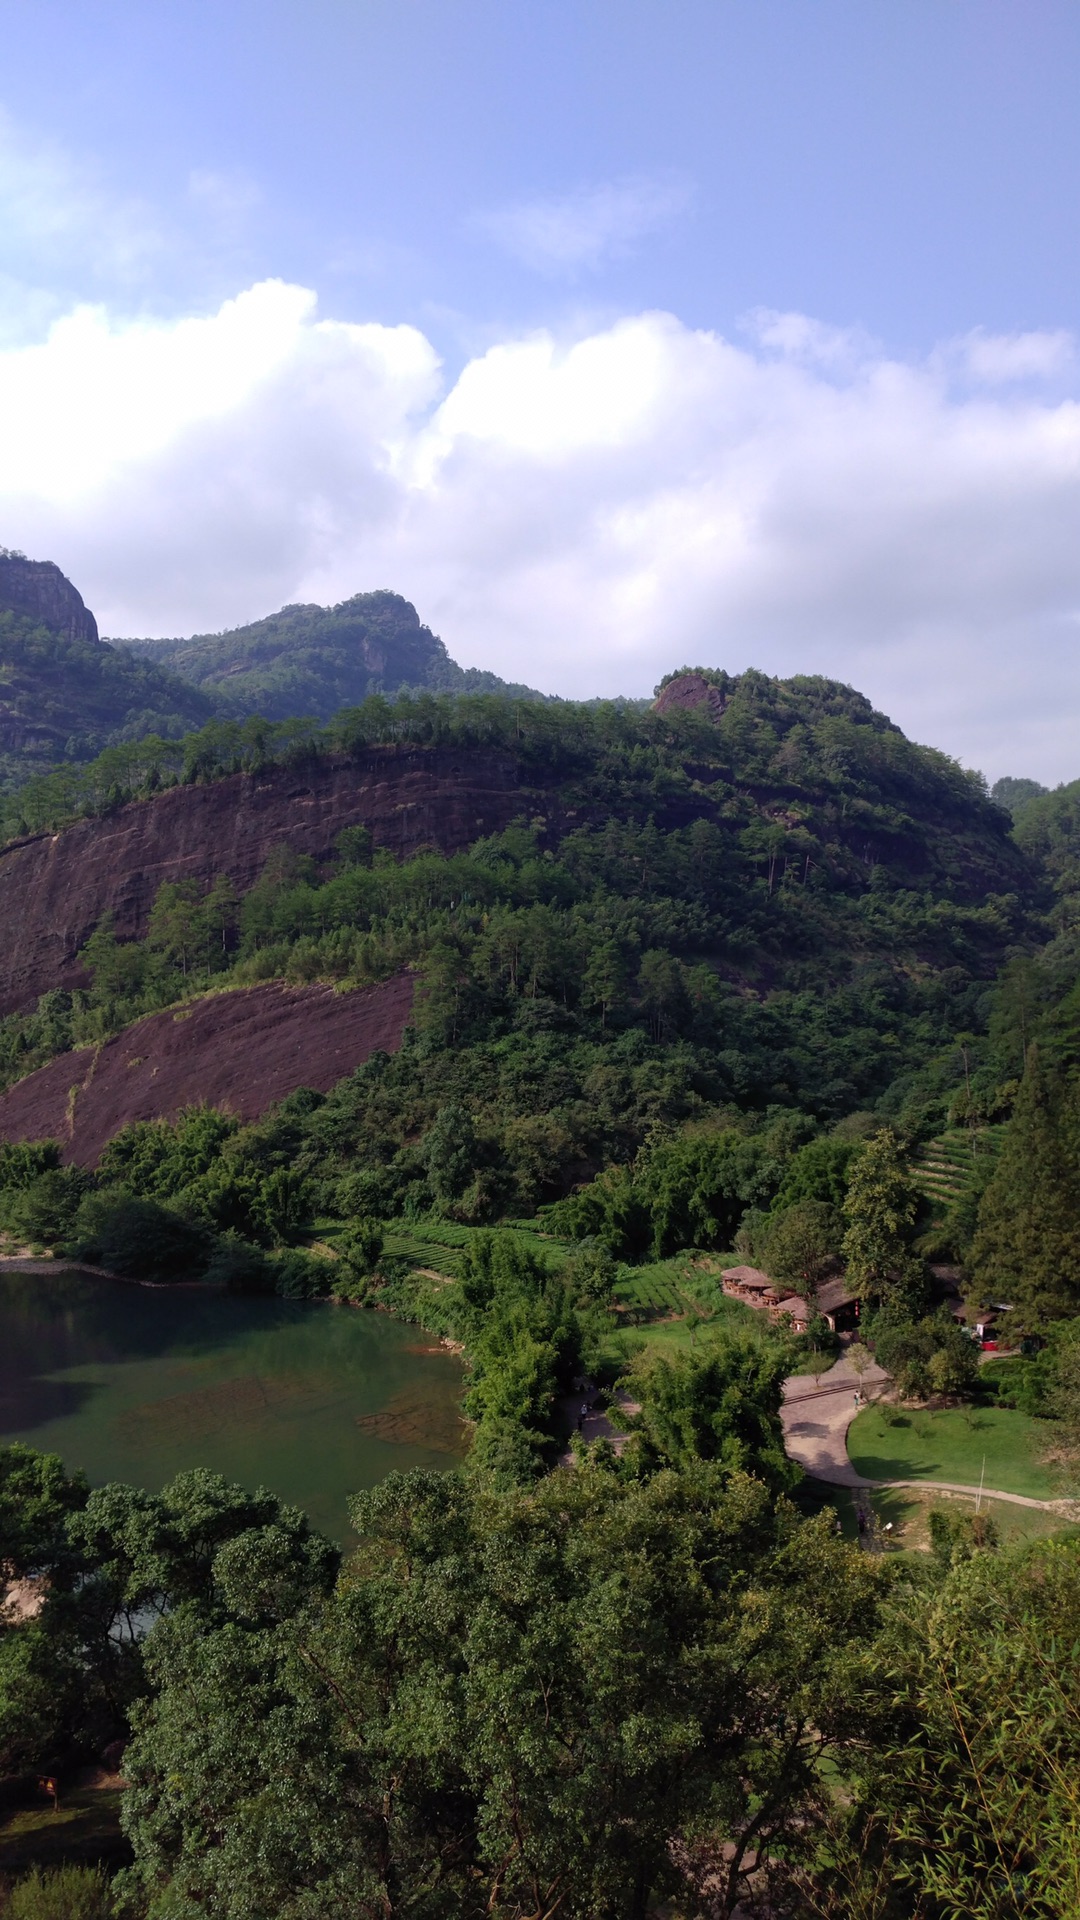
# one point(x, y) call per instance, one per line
point(136, 1383)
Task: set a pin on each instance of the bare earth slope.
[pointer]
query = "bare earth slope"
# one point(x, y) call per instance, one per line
point(243, 1051)
point(55, 888)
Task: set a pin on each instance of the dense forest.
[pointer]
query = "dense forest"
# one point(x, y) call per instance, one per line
point(315, 660)
point(739, 966)
point(66, 696)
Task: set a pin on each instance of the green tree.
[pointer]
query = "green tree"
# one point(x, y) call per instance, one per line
point(581, 1699)
point(44, 1210)
point(720, 1403)
point(605, 981)
point(285, 1202)
point(354, 846)
point(880, 1210)
point(802, 1244)
point(963, 1800)
point(138, 1238)
point(1026, 1248)
point(818, 1171)
point(662, 989)
point(36, 1500)
point(175, 928)
point(697, 1189)
point(119, 970)
point(220, 918)
point(450, 1153)
point(931, 1355)
point(523, 1340)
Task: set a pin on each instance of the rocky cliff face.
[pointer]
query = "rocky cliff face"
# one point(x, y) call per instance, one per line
point(55, 888)
point(243, 1051)
point(39, 591)
point(691, 690)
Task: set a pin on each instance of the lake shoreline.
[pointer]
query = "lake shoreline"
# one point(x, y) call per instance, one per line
point(32, 1264)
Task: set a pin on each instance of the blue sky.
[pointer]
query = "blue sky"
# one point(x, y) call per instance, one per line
point(612, 334)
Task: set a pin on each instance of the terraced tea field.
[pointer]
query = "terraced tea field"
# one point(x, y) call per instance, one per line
point(436, 1245)
point(947, 1166)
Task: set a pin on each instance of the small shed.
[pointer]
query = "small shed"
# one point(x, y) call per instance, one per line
point(838, 1305)
point(797, 1307)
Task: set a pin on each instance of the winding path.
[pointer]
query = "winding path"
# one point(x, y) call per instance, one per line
point(816, 1416)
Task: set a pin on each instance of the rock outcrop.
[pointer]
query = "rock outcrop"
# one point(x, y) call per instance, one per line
point(39, 591)
point(242, 1051)
point(691, 690)
point(55, 888)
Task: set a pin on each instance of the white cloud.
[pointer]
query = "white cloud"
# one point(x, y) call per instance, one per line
point(58, 221)
point(797, 337)
point(996, 358)
point(581, 230)
point(68, 235)
point(582, 514)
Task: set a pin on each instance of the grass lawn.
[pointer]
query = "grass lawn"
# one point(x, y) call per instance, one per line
point(909, 1510)
point(85, 1830)
point(952, 1445)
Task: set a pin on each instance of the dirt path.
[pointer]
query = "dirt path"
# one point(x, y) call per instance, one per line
point(816, 1417)
point(587, 1421)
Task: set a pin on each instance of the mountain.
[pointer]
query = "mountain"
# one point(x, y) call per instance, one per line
point(54, 890)
point(314, 660)
point(64, 693)
point(764, 874)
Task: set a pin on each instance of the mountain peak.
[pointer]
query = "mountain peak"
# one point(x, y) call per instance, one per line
point(37, 590)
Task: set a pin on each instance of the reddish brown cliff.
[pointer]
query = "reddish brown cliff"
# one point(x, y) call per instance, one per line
point(55, 888)
point(242, 1051)
point(691, 690)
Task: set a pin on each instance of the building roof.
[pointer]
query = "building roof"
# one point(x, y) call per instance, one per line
point(834, 1294)
point(751, 1277)
point(794, 1304)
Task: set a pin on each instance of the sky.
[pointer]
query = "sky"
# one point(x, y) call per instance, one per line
point(615, 334)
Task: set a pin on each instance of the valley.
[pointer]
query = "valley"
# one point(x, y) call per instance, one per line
point(385, 1092)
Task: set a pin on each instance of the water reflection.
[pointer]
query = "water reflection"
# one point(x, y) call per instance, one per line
point(135, 1384)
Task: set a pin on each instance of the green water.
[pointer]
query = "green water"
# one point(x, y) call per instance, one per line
point(135, 1383)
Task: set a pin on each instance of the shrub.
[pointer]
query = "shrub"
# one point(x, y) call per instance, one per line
point(62, 1893)
point(302, 1276)
point(239, 1267)
point(44, 1210)
point(139, 1238)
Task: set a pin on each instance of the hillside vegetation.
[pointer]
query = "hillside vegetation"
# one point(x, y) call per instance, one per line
point(66, 695)
point(66, 698)
point(314, 660)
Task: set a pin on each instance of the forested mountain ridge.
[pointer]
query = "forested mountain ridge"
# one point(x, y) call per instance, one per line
point(793, 894)
point(65, 694)
point(314, 660)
